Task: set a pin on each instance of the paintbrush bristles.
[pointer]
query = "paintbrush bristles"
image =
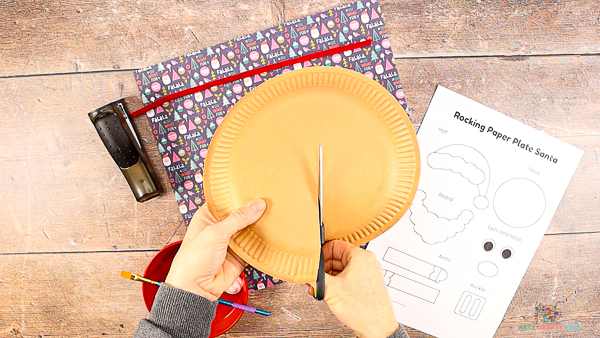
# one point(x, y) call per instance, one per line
point(127, 275)
point(133, 276)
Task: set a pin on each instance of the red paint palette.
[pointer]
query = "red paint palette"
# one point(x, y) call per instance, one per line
point(158, 268)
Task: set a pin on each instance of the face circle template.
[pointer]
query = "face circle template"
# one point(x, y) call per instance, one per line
point(519, 203)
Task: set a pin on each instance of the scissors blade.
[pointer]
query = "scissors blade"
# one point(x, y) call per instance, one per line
point(321, 194)
point(319, 291)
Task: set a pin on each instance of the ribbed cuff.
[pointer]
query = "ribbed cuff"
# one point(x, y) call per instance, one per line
point(182, 314)
point(400, 333)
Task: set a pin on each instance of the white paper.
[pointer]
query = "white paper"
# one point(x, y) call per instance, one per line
point(485, 177)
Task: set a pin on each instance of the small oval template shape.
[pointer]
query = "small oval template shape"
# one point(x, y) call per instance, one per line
point(487, 269)
point(267, 147)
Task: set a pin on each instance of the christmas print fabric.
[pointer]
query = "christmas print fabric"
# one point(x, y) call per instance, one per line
point(184, 127)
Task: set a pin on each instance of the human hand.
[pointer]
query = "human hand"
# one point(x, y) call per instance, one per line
point(203, 265)
point(355, 290)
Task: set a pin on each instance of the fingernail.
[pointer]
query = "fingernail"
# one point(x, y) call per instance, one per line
point(259, 205)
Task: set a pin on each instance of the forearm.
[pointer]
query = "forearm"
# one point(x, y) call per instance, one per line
point(177, 313)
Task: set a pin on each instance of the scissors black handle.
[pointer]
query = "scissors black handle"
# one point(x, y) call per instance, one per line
point(319, 292)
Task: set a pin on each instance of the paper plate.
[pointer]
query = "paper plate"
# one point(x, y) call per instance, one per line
point(158, 268)
point(267, 147)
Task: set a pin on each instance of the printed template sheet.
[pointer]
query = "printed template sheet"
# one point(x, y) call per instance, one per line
point(488, 190)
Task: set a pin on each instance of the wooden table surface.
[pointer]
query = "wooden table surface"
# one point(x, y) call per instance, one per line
point(69, 223)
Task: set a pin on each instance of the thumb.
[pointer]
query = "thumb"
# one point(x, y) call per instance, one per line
point(242, 217)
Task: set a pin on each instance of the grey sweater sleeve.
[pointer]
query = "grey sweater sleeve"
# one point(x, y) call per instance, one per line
point(177, 313)
point(400, 333)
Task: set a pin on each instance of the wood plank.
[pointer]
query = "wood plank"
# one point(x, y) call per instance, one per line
point(579, 209)
point(70, 36)
point(70, 295)
point(82, 295)
point(562, 273)
point(559, 95)
point(63, 192)
point(74, 36)
point(554, 94)
point(429, 28)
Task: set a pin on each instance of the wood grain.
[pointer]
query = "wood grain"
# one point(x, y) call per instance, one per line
point(560, 274)
point(549, 93)
point(73, 36)
point(70, 295)
point(430, 28)
point(83, 295)
point(61, 193)
point(64, 193)
point(558, 95)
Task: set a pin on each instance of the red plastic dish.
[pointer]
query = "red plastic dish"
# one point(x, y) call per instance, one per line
point(158, 268)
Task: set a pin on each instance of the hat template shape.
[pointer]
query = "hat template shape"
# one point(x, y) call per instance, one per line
point(267, 147)
point(467, 162)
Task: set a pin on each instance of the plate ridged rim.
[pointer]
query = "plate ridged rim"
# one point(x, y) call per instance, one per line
point(247, 244)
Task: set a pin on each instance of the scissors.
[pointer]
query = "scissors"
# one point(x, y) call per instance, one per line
point(319, 291)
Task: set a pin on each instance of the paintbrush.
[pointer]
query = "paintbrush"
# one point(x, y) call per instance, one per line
point(133, 276)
